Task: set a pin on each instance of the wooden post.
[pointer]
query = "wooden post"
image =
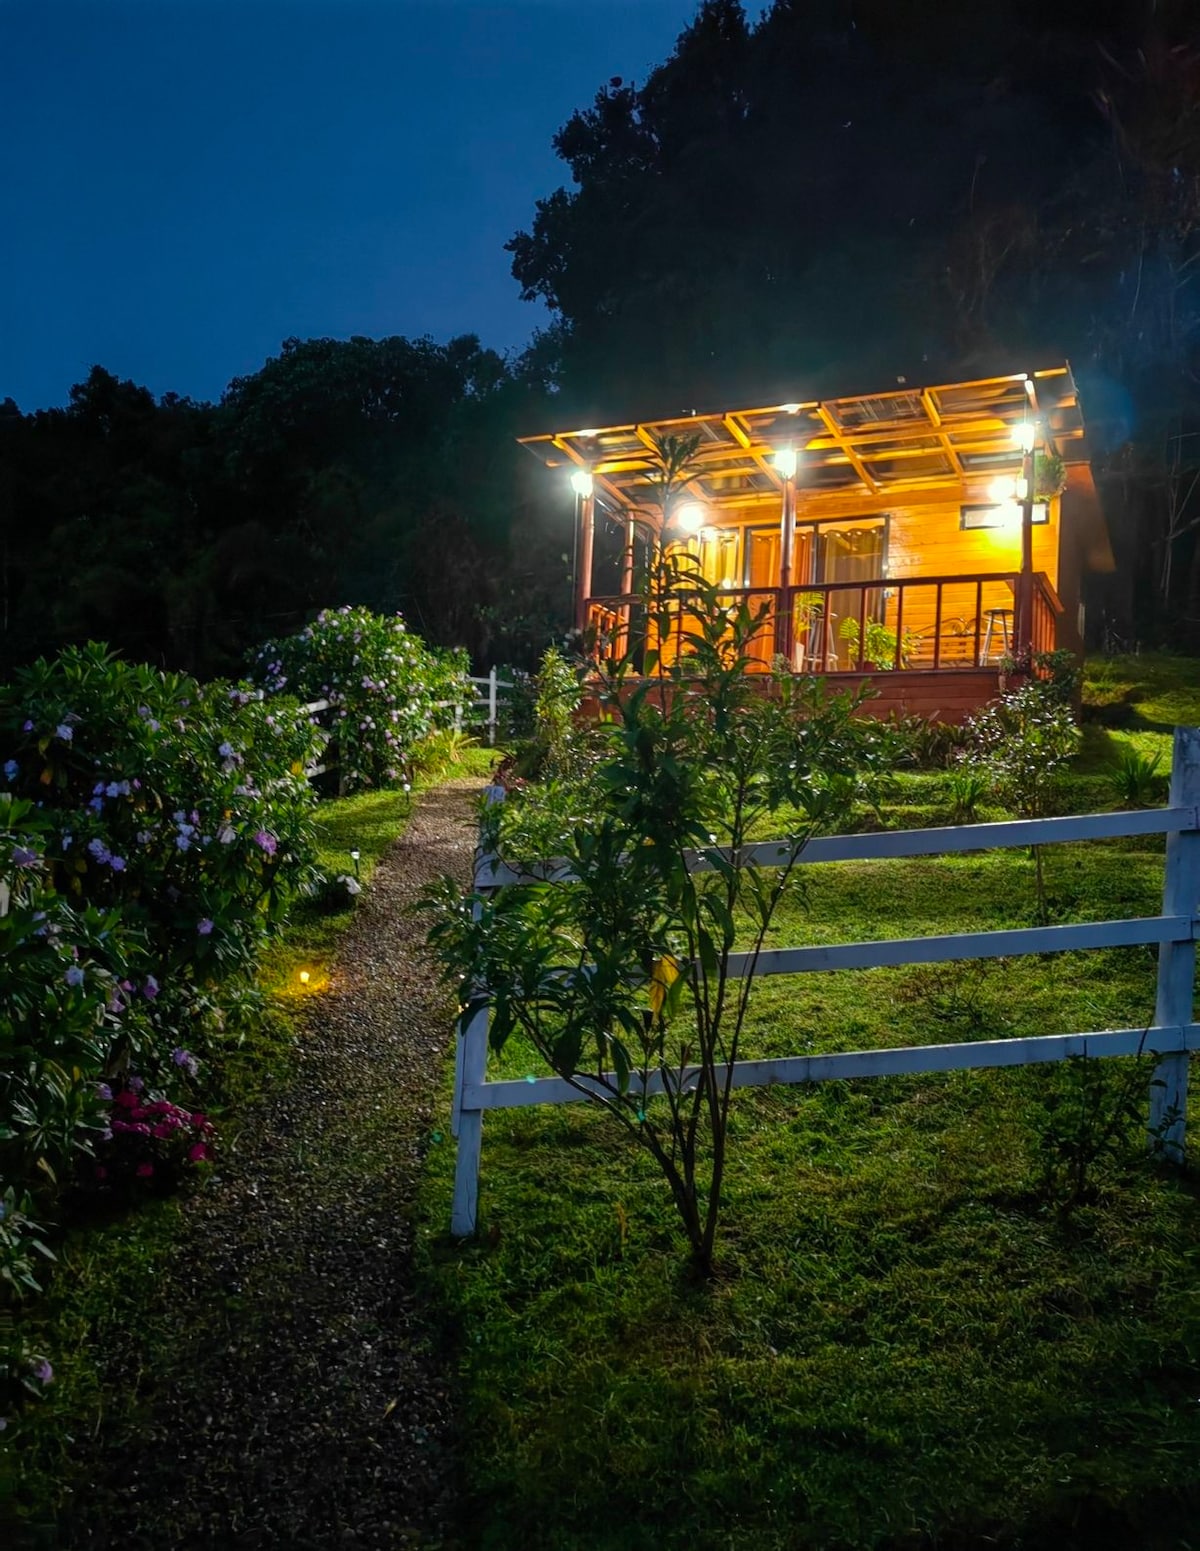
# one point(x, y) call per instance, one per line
point(1023, 645)
point(1177, 960)
point(470, 1066)
point(787, 527)
point(583, 577)
point(622, 642)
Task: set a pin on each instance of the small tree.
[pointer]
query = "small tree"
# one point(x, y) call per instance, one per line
point(1024, 743)
point(630, 975)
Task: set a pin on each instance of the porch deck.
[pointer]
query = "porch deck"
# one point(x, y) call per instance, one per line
point(930, 645)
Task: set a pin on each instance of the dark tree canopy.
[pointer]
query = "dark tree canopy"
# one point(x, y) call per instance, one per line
point(851, 191)
point(839, 194)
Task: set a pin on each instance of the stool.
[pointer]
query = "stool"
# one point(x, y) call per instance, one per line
point(996, 619)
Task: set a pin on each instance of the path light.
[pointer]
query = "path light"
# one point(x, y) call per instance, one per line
point(690, 517)
point(354, 856)
point(303, 977)
point(581, 482)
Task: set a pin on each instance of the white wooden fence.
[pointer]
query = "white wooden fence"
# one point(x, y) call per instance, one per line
point(1170, 1038)
point(483, 710)
point(486, 705)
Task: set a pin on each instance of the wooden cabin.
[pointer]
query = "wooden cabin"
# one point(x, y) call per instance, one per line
point(918, 537)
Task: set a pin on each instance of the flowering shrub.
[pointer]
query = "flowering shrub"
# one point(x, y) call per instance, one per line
point(185, 806)
point(386, 689)
point(152, 831)
point(149, 1142)
point(60, 1015)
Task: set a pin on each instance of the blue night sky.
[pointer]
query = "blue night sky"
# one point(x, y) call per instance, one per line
point(185, 183)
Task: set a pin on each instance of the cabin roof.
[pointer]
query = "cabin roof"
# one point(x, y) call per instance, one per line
point(880, 445)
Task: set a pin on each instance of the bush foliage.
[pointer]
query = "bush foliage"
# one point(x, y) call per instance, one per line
point(152, 831)
point(386, 689)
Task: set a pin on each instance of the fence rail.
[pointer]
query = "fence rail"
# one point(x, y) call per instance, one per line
point(1171, 1037)
point(484, 710)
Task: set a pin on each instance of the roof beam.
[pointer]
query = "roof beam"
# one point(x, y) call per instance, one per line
point(852, 457)
point(935, 420)
point(744, 440)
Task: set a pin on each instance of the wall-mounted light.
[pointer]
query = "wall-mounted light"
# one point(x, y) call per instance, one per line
point(1001, 514)
point(785, 461)
point(1024, 436)
point(581, 482)
point(690, 517)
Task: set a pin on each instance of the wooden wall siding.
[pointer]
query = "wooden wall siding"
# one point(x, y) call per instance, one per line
point(927, 541)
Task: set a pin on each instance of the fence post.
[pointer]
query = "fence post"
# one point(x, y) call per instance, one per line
point(470, 1066)
point(1177, 960)
point(492, 697)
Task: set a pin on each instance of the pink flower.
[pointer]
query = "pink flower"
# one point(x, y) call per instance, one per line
point(198, 1153)
point(145, 1170)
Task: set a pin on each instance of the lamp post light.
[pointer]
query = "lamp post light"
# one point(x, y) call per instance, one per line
point(1025, 438)
point(584, 487)
point(785, 467)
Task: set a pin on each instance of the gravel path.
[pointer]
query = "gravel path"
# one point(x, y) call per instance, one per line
point(319, 1415)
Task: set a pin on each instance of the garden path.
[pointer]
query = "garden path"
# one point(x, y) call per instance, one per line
point(316, 1413)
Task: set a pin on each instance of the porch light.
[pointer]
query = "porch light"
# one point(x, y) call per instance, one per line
point(581, 482)
point(1025, 436)
point(785, 461)
point(690, 517)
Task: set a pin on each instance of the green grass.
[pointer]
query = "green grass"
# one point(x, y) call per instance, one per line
point(101, 1322)
point(912, 1342)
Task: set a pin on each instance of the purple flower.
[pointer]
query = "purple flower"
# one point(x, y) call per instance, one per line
point(117, 863)
point(103, 1090)
point(74, 976)
point(136, 1084)
point(42, 1371)
point(267, 841)
point(182, 841)
point(204, 928)
point(27, 726)
point(149, 991)
point(10, 769)
point(99, 850)
point(65, 732)
point(23, 857)
point(226, 751)
point(186, 1060)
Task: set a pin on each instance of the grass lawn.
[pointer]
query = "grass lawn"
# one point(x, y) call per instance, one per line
point(911, 1342)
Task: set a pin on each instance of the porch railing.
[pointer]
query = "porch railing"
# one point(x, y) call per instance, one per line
point(876, 625)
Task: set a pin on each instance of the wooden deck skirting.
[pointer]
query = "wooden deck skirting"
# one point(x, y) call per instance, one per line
point(949, 695)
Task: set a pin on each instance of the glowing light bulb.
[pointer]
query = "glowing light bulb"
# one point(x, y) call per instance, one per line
point(785, 462)
point(690, 517)
point(1025, 435)
point(303, 977)
point(1003, 488)
point(581, 482)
